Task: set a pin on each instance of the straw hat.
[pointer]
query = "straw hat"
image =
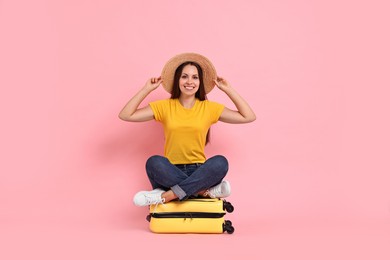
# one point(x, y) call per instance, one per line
point(209, 72)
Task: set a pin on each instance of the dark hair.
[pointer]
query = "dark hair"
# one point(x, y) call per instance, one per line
point(200, 94)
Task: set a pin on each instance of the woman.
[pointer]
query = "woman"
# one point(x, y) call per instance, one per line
point(184, 171)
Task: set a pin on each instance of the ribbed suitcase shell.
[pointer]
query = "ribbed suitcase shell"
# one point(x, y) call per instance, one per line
point(190, 216)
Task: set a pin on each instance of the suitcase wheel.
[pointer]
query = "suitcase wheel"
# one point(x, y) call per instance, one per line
point(230, 229)
point(228, 206)
point(227, 226)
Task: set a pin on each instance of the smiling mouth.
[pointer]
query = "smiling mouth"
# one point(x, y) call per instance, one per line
point(189, 87)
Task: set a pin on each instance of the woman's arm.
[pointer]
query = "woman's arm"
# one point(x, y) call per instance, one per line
point(131, 112)
point(243, 114)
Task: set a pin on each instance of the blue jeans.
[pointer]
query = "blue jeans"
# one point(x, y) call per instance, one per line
point(186, 180)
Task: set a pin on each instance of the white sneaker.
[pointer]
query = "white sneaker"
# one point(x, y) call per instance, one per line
point(146, 198)
point(221, 190)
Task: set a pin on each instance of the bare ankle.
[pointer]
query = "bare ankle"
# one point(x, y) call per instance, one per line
point(168, 196)
point(203, 193)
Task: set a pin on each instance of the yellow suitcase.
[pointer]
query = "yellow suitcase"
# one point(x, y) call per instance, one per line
point(191, 216)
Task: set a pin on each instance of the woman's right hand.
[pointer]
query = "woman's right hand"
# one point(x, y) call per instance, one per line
point(153, 83)
point(131, 112)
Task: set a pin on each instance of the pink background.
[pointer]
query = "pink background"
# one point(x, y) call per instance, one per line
point(310, 176)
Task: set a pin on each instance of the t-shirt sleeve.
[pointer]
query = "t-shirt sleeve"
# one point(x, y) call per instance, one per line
point(215, 111)
point(159, 109)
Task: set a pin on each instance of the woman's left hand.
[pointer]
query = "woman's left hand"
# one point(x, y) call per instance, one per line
point(222, 83)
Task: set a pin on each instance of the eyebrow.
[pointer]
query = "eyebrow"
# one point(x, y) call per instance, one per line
point(187, 74)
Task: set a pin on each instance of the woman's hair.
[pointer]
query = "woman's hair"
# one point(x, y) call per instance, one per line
point(200, 94)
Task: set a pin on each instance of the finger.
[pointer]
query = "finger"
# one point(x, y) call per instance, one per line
point(157, 79)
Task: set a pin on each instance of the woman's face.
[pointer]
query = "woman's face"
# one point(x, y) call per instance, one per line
point(189, 80)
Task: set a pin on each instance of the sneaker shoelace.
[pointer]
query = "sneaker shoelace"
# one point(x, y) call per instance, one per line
point(155, 205)
point(214, 192)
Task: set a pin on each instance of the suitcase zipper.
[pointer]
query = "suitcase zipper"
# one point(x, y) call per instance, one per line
point(187, 215)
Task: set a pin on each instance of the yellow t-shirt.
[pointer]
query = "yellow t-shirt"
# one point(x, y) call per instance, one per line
point(185, 129)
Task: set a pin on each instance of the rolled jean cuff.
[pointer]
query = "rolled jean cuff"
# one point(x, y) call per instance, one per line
point(178, 191)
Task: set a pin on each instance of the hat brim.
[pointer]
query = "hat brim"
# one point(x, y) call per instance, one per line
point(209, 72)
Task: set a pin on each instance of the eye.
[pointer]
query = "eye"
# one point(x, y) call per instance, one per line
point(183, 76)
point(195, 77)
